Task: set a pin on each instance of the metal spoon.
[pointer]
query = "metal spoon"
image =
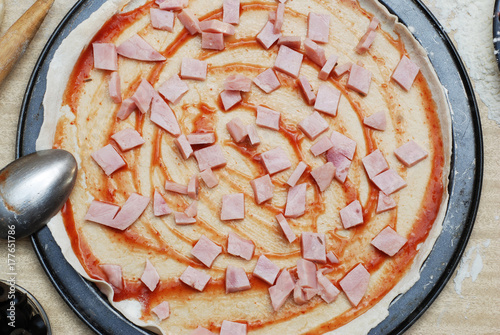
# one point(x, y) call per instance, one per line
point(33, 189)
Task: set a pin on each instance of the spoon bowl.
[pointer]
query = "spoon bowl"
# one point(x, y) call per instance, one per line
point(33, 189)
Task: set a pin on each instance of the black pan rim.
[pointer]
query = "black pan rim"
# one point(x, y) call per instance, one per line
point(398, 329)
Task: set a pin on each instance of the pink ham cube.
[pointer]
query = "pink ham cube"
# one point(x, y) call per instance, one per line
point(280, 292)
point(114, 274)
point(405, 73)
point(206, 251)
point(230, 99)
point(238, 246)
point(327, 100)
point(306, 89)
point(267, 81)
point(193, 69)
point(325, 71)
point(162, 19)
point(137, 48)
point(143, 96)
point(126, 108)
point(376, 121)
point(343, 144)
point(288, 61)
point(321, 146)
point(293, 42)
point(314, 52)
point(318, 27)
point(313, 247)
point(237, 129)
point(127, 139)
point(359, 79)
point(384, 203)
point(263, 189)
point(233, 207)
point(210, 157)
point(233, 328)
point(253, 136)
point(192, 210)
point(389, 241)
point(201, 138)
point(389, 181)
point(268, 118)
point(160, 206)
point(313, 125)
point(216, 26)
point(296, 201)
point(342, 69)
point(324, 175)
point(163, 116)
point(326, 290)
point(209, 178)
point(296, 174)
point(108, 159)
point(175, 187)
point(231, 11)
point(332, 258)
point(236, 279)
point(115, 92)
point(341, 163)
point(173, 89)
point(150, 276)
point(212, 41)
point(374, 163)
point(181, 218)
point(266, 270)
point(105, 57)
point(192, 187)
point(189, 21)
point(266, 36)
point(366, 41)
point(162, 310)
point(237, 82)
point(285, 227)
point(172, 4)
point(351, 215)
point(275, 160)
point(184, 147)
point(355, 284)
point(410, 153)
point(195, 278)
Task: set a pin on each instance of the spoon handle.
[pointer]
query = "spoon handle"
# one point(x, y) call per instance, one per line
point(15, 41)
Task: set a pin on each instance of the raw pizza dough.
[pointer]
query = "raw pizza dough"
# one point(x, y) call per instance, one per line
point(88, 126)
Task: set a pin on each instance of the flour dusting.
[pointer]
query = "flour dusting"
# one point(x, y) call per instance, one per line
point(474, 44)
point(470, 265)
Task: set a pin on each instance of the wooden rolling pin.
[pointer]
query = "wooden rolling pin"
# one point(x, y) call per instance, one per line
point(15, 41)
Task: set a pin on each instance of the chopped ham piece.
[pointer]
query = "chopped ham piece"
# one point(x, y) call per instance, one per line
point(193, 69)
point(266, 270)
point(389, 241)
point(143, 96)
point(206, 251)
point(162, 310)
point(238, 82)
point(313, 247)
point(115, 91)
point(355, 284)
point(321, 146)
point(162, 19)
point(272, 16)
point(325, 71)
point(184, 147)
point(389, 181)
point(342, 69)
point(233, 328)
point(332, 258)
point(266, 36)
point(280, 292)
point(163, 116)
point(212, 41)
point(192, 209)
point(236, 280)
point(173, 4)
point(150, 276)
point(313, 125)
point(384, 203)
point(114, 274)
point(160, 205)
point(230, 98)
point(192, 188)
point(233, 207)
point(275, 160)
point(366, 41)
point(327, 291)
point(293, 42)
point(267, 81)
point(324, 175)
point(373, 24)
point(195, 278)
point(359, 79)
point(210, 157)
point(280, 17)
point(376, 121)
point(405, 73)
point(343, 144)
point(240, 247)
point(127, 139)
point(253, 136)
point(173, 89)
point(318, 27)
point(314, 52)
point(108, 159)
point(306, 271)
point(182, 218)
point(131, 210)
point(216, 26)
point(189, 21)
point(327, 100)
point(296, 201)
point(137, 48)
point(268, 118)
point(101, 212)
point(201, 138)
point(306, 89)
point(209, 178)
point(285, 227)
point(126, 108)
point(174, 187)
point(410, 153)
point(302, 295)
point(201, 331)
point(231, 11)
point(288, 61)
point(263, 189)
point(105, 57)
point(296, 174)
point(351, 215)
point(375, 163)
point(237, 129)
point(341, 163)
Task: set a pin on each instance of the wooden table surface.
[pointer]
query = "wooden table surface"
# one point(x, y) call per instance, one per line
point(474, 311)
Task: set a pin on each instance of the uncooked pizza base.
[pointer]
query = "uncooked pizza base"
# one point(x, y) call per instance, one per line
point(59, 72)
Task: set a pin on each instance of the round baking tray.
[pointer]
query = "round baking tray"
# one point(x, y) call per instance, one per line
point(464, 188)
